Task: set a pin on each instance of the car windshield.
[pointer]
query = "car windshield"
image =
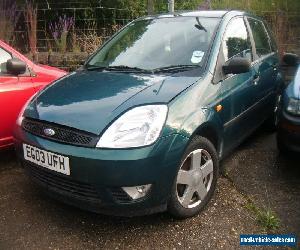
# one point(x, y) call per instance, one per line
point(158, 43)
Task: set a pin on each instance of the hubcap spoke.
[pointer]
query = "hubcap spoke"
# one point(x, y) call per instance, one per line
point(207, 168)
point(187, 196)
point(184, 177)
point(201, 191)
point(196, 159)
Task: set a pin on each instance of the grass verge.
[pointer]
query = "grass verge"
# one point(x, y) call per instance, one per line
point(266, 218)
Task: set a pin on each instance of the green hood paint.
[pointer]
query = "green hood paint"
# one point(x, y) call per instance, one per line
point(91, 100)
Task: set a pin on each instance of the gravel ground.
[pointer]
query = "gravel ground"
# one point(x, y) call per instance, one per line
point(271, 180)
point(31, 220)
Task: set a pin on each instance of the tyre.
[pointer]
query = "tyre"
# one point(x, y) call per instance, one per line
point(196, 179)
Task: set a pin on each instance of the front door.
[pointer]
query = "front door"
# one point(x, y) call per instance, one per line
point(238, 91)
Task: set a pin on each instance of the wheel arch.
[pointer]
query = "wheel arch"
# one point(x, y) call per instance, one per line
point(207, 124)
point(209, 131)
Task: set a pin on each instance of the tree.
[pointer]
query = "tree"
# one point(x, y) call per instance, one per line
point(150, 7)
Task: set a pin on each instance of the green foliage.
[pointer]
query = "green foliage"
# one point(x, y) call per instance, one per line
point(139, 7)
point(61, 42)
point(265, 217)
point(268, 219)
point(282, 16)
point(258, 6)
point(136, 7)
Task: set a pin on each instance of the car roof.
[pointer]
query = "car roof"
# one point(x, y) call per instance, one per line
point(201, 13)
point(205, 13)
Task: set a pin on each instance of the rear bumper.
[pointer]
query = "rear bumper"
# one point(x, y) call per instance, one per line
point(97, 175)
point(289, 132)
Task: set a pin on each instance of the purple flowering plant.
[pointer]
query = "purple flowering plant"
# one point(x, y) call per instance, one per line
point(60, 30)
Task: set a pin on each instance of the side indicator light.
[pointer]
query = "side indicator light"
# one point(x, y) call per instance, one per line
point(218, 108)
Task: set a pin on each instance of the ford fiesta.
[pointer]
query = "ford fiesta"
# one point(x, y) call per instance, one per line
point(142, 126)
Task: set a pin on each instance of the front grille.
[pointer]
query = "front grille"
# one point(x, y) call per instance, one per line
point(63, 185)
point(62, 133)
point(120, 195)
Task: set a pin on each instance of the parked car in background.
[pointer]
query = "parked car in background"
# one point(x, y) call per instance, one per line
point(20, 78)
point(288, 135)
point(142, 126)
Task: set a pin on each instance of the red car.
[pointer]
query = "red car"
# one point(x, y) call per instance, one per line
point(20, 78)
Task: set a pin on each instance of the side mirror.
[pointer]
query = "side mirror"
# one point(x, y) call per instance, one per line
point(290, 59)
point(15, 66)
point(237, 65)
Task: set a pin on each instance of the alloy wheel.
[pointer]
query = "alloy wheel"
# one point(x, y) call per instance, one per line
point(194, 178)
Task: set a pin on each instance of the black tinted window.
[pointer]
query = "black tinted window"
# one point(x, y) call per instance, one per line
point(236, 42)
point(260, 36)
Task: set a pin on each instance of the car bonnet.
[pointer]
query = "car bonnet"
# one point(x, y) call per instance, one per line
point(91, 100)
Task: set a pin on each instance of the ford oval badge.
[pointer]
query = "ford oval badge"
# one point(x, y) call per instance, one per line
point(49, 132)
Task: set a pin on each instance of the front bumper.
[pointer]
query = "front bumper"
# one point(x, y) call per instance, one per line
point(6, 142)
point(97, 175)
point(289, 131)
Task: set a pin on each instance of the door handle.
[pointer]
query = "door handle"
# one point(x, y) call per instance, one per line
point(256, 79)
point(274, 66)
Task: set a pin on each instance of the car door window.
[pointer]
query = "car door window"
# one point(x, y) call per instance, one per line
point(271, 37)
point(236, 41)
point(4, 56)
point(261, 38)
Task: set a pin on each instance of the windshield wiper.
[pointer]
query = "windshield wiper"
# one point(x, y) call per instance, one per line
point(176, 68)
point(127, 68)
point(92, 67)
point(118, 68)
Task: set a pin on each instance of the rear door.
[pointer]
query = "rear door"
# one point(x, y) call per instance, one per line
point(14, 92)
point(266, 65)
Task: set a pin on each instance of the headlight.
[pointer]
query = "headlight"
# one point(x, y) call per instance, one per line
point(20, 116)
point(293, 106)
point(140, 126)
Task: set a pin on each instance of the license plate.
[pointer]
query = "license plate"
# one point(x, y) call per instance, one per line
point(47, 159)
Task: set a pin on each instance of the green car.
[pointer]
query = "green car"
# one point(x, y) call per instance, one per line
point(142, 126)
